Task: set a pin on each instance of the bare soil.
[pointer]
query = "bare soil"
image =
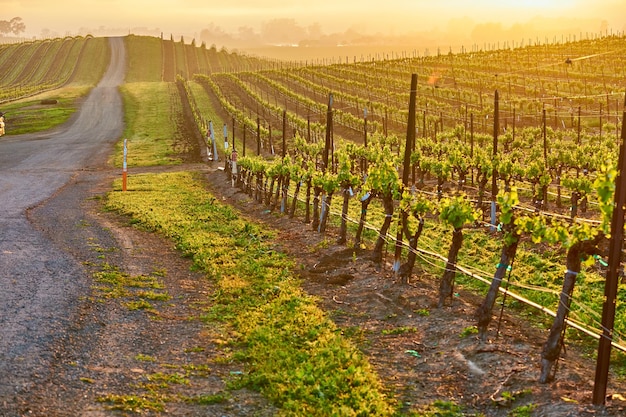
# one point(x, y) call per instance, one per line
point(111, 349)
point(421, 352)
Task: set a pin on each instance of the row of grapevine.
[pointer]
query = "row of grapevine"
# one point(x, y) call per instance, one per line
point(564, 165)
point(450, 159)
point(453, 87)
point(188, 59)
point(268, 182)
point(32, 67)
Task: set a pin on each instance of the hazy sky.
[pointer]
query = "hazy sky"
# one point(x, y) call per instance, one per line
point(180, 17)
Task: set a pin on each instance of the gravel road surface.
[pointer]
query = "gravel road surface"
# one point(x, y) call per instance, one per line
point(39, 282)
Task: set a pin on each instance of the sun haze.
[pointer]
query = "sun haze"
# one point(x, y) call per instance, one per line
point(297, 22)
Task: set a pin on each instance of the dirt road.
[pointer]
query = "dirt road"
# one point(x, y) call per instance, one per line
point(39, 282)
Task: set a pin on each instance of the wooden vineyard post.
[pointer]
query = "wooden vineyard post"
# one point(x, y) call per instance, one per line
point(385, 124)
point(329, 127)
point(226, 158)
point(471, 135)
point(364, 160)
point(233, 133)
point(308, 128)
point(544, 192)
point(465, 125)
point(612, 275)
point(414, 166)
point(616, 120)
point(441, 121)
point(494, 175)
point(258, 136)
point(578, 128)
point(365, 126)
point(545, 139)
point(513, 139)
point(319, 209)
point(472, 145)
point(410, 138)
point(243, 146)
point(600, 123)
point(284, 133)
point(285, 177)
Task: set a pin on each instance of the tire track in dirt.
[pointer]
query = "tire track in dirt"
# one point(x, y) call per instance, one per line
point(110, 349)
point(41, 283)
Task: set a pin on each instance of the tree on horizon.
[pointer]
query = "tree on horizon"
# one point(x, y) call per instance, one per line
point(15, 26)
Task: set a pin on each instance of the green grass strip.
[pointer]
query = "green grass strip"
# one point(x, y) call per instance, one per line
point(294, 354)
point(28, 115)
point(149, 127)
point(145, 59)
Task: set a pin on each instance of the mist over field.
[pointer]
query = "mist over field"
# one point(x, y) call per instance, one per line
point(420, 26)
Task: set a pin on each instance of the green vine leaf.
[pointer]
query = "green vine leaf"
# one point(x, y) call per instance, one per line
point(457, 212)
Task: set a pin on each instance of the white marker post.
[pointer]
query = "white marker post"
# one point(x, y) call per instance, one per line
point(225, 138)
point(124, 166)
point(233, 161)
point(212, 133)
point(225, 147)
point(209, 152)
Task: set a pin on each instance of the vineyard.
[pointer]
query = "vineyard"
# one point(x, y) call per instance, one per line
point(33, 67)
point(514, 156)
point(63, 70)
point(492, 171)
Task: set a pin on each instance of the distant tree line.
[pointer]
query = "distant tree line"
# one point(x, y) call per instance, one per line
point(15, 26)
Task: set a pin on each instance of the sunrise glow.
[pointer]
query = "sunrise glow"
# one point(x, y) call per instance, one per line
point(236, 23)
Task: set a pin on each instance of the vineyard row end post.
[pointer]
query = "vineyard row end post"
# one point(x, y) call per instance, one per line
point(329, 123)
point(494, 175)
point(284, 151)
point(233, 133)
point(612, 275)
point(258, 136)
point(408, 146)
point(225, 147)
